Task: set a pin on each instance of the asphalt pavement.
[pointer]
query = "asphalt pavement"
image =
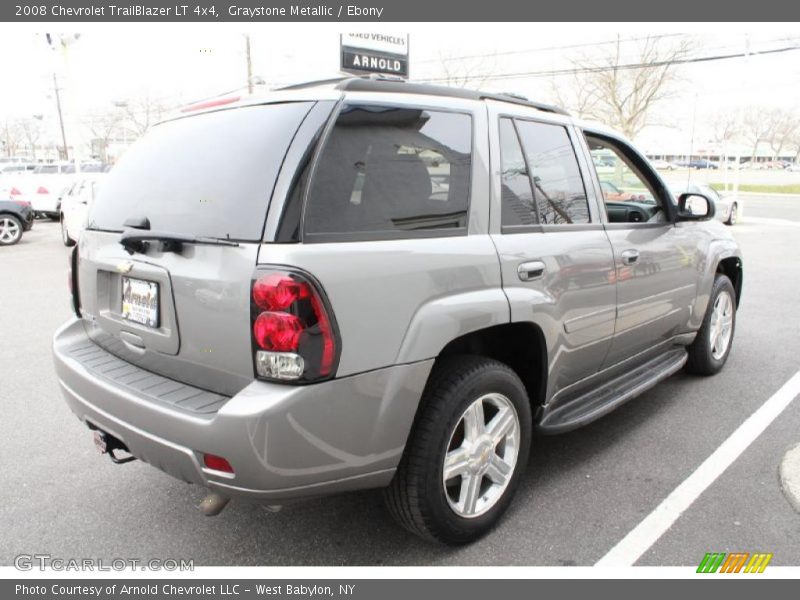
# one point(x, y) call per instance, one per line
point(582, 493)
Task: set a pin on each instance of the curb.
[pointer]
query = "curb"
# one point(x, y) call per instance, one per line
point(790, 476)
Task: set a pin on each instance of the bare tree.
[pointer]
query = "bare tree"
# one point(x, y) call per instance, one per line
point(103, 128)
point(724, 130)
point(624, 91)
point(12, 138)
point(755, 128)
point(467, 72)
point(782, 126)
point(568, 91)
point(142, 113)
point(32, 132)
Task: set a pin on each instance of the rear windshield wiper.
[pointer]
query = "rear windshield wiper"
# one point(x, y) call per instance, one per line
point(135, 240)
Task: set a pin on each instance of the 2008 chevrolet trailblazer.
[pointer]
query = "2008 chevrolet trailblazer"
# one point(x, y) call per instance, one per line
point(370, 283)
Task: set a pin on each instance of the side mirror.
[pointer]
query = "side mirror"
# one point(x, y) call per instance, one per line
point(695, 207)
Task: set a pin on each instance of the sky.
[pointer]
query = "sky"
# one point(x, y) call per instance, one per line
point(181, 63)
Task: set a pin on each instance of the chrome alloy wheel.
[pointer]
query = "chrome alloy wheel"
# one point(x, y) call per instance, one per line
point(9, 230)
point(721, 325)
point(481, 455)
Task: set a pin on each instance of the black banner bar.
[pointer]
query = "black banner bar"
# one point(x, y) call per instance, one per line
point(255, 11)
point(729, 587)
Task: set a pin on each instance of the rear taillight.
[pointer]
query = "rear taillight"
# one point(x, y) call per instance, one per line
point(294, 336)
point(15, 192)
point(42, 190)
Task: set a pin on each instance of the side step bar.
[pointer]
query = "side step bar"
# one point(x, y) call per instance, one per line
point(600, 401)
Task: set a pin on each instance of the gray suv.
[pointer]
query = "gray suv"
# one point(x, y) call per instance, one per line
point(366, 283)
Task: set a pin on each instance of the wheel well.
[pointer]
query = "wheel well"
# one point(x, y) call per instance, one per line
point(732, 268)
point(521, 346)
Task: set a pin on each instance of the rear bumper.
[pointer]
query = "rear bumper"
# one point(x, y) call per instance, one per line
point(284, 442)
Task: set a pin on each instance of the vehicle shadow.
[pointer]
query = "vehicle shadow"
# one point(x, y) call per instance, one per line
point(355, 529)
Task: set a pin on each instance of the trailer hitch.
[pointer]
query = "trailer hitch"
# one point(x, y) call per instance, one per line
point(108, 444)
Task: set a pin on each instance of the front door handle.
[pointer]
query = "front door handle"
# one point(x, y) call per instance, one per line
point(629, 257)
point(528, 271)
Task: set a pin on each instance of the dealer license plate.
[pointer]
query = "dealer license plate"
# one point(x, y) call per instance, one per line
point(140, 301)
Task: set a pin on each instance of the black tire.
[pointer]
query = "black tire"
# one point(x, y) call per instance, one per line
point(732, 217)
point(68, 241)
point(11, 230)
point(416, 497)
point(701, 356)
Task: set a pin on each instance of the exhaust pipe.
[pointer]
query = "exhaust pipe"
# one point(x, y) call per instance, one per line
point(213, 504)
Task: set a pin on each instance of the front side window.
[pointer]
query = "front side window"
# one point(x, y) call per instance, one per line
point(628, 195)
point(556, 176)
point(393, 172)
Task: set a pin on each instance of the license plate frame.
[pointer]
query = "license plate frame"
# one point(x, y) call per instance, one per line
point(140, 302)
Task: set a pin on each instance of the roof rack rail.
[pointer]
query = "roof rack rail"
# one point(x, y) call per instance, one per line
point(376, 82)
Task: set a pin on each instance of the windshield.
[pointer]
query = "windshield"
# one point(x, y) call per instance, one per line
point(207, 175)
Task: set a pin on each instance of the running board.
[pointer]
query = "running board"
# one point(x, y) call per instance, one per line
point(600, 401)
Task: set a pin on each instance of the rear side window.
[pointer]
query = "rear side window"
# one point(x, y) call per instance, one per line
point(209, 175)
point(515, 186)
point(391, 172)
point(556, 176)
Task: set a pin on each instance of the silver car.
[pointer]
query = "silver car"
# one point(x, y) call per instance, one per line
point(377, 284)
point(728, 207)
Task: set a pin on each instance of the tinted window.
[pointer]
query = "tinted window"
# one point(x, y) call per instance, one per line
point(209, 175)
point(558, 185)
point(392, 171)
point(515, 187)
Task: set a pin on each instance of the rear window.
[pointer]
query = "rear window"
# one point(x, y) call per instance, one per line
point(389, 172)
point(208, 175)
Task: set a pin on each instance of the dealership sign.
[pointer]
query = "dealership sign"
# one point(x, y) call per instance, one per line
point(374, 53)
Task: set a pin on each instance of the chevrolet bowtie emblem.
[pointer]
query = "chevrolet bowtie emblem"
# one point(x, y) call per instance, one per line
point(125, 266)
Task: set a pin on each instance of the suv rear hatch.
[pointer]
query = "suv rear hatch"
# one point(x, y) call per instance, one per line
point(184, 312)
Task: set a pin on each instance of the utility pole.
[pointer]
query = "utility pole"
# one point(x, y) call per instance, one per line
point(740, 120)
point(249, 63)
point(60, 117)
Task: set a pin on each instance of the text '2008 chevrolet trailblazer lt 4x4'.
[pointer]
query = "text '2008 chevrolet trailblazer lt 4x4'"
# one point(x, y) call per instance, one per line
point(369, 283)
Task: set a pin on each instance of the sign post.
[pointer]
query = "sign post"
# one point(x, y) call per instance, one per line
point(379, 53)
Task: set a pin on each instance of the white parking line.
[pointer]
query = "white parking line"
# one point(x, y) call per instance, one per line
point(772, 221)
point(647, 533)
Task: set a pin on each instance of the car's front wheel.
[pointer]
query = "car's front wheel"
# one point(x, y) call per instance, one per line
point(10, 230)
point(712, 346)
point(466, 453)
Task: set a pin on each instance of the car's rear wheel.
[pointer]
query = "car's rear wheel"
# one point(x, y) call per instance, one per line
point(68, 241)
point(466, 453)
point(10, 230)
point(712, 346)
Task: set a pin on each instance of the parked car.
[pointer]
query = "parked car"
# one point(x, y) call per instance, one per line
point(16, 217)
point(794, 167)
point(358, 326)
point(702, 163)
point(11, 169)
point(728, 207)
point(663, 165)
point(74, 206)
point(48, 183)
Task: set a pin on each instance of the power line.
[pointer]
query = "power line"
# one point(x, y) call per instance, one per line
point(549, 48)
point(622, 67)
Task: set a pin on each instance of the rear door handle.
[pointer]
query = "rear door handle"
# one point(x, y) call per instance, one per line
point(630, 256)
point(528, 271)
